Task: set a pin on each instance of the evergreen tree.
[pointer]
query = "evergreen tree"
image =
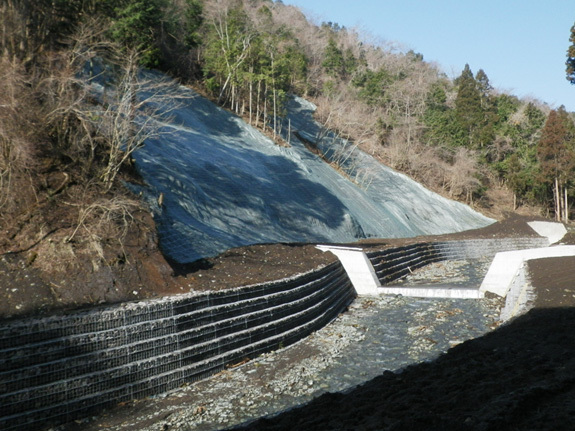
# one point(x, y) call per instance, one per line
point(474, 107)
point(372, 86)
point(138, 25)
point(468, 110)
point(483, 84)
point(333, 60)
point(193, 22)
point(557, 159)
point(570, 63)
point(228, 48)
point(442, 128)
point(506, 106)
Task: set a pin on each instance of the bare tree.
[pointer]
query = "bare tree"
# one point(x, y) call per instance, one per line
point(16, 130)
point(112, 103)
point(462, 178)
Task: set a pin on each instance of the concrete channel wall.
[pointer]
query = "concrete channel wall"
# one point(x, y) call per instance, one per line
point(395, 263)
point(520, 293)
point(60, 368)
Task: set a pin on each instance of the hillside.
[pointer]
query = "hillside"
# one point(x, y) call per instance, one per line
point(73, 137)
point(224, 185)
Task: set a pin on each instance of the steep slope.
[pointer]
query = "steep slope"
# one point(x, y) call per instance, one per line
point(223, 184)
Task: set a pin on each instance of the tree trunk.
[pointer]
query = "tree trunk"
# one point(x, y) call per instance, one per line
point(557, 199)
point(258, 102)
point(566, 205)
point(265, 113)
point(251, 97)
point(275, 113)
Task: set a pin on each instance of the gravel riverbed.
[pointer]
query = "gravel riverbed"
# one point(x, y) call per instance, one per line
point(374, 335)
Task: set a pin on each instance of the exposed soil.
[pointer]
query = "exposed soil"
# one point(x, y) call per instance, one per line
point(53, 273)
point(555, 281)
point(65, 246)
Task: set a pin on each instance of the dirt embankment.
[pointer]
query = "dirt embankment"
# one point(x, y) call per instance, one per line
point(51, 259)
point(42, 270)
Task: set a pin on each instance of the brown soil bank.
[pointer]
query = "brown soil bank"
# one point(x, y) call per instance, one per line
point(50, 274)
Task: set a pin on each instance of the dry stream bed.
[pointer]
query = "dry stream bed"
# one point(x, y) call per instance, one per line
point(374, 335)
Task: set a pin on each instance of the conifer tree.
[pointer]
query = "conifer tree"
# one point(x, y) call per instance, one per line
point(570, 63)
point(137, 26)
point(556, 158)
point(468, 104)
point(484, 87)
point(475, 111)
point(334, 62)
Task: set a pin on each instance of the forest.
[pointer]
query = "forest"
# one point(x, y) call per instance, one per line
point(459, 137)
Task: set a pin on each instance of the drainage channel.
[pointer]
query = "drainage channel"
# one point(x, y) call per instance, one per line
point(443, 279)
point(374, 335)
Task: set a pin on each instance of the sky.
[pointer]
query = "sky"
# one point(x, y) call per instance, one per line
point(520, 44)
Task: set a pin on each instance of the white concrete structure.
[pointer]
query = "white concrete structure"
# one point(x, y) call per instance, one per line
point(365, 281)
point(499, 279)
point(506, 265)
point(358, 268)
point(552, 230)
point(520, 294)
point(433, 292)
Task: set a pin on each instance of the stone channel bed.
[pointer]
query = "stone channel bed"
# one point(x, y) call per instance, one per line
point(374, 335)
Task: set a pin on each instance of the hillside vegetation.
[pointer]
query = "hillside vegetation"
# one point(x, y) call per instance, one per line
point(459, 137)
point(63, 151)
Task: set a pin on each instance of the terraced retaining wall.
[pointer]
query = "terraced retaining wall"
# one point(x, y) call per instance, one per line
point(394, 263)
point(60, 368)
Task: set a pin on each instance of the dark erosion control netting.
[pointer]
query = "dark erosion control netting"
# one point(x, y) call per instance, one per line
point(214, 183)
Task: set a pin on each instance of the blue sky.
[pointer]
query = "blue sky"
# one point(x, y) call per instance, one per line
point(520, 44)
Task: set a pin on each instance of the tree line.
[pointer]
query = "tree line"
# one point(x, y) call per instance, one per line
point(458, 136)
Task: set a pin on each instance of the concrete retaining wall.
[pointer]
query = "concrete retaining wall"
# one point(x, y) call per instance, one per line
point(507, 276)
point(60, 368)
point(518, 296)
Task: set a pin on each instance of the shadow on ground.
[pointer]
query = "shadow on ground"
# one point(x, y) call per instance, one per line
point(520, 376)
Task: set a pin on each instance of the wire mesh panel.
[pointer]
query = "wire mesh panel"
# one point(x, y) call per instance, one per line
point(394, 263)
point(63, 367)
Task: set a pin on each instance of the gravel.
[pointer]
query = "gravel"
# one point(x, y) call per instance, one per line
point(375, 334)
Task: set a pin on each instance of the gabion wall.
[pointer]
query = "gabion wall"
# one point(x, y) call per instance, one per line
point(394, 263)
point(60, 368)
